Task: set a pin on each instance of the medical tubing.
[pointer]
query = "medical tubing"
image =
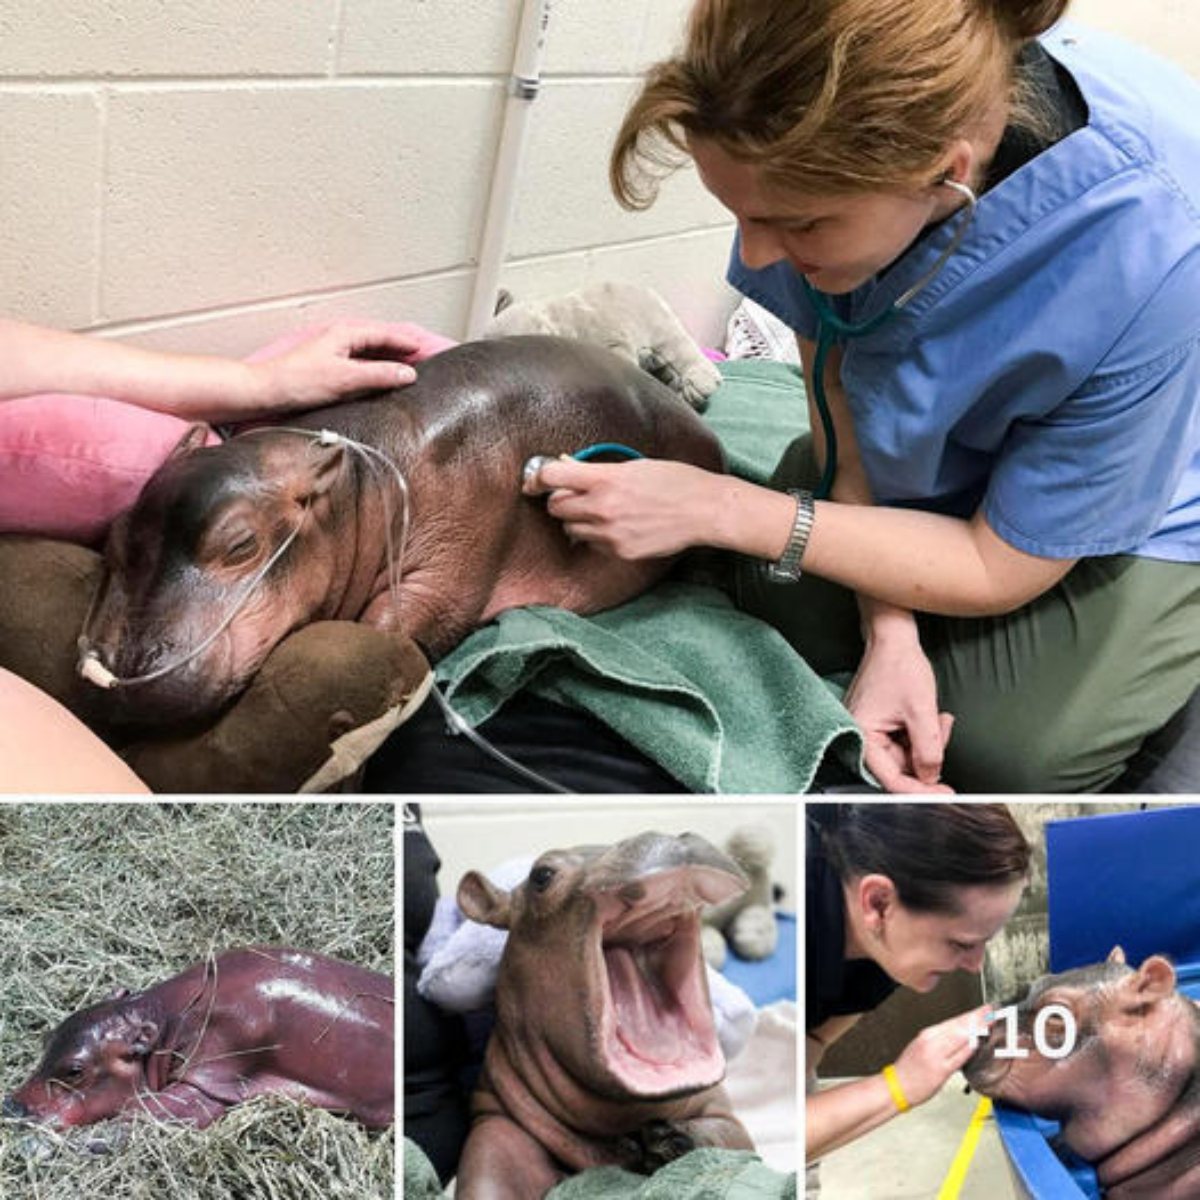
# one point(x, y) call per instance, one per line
point(378, 464)
point(458, 724)
point(605, 448)
point(94, 670)
point(825, 340)
point(832, 329)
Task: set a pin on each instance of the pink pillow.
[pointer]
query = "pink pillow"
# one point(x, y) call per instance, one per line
point(69, 464)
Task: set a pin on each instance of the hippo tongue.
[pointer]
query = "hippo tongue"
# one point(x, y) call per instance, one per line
point(649, 1022)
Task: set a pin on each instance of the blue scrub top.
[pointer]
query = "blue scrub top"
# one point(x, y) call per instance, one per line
point(1051, 371)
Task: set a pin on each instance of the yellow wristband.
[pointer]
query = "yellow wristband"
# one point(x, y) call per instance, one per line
point(899, 1099)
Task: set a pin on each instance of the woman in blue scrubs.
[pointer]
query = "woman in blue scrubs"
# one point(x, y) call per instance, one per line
point(1009, 543)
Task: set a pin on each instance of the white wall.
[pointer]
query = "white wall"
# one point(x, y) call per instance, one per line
point(1168, 27)
point(205, 175)
point(479, 834)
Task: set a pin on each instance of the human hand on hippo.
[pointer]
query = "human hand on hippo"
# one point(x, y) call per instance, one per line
point(641, 509)
point(1122, 1075)
point(324, 363)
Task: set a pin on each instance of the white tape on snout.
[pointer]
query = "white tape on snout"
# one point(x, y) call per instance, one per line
point(94, 671)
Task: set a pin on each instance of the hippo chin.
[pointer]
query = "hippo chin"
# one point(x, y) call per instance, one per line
point(250, 1022)
point(604, 1049)
point(1128, 1094)
point(207, 530)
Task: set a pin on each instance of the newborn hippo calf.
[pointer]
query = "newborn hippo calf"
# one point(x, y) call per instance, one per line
point(1128, 1095)
point(604, 1049)
point(250, 1022)
point(209, 529)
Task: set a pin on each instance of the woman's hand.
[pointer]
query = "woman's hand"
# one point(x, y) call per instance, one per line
point(644, 508)
point(929, 1060)
point(894, 700)
point(338, 361)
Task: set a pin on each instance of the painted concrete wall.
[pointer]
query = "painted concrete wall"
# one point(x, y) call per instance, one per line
point(484, 833)
point(206, 175)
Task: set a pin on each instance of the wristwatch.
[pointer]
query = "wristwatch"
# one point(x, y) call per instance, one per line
point(786, 569)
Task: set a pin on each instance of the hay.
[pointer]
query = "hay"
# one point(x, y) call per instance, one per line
point(96, 896)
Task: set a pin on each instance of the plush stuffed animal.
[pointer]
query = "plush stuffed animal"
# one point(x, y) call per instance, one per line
point(630, 320)
point(323, 701)
point(746, 923)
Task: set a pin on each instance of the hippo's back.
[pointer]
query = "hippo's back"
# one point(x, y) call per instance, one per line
point(462, 434)
point(505, 399)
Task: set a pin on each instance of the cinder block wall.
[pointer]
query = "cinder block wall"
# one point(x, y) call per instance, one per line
point(206, 175)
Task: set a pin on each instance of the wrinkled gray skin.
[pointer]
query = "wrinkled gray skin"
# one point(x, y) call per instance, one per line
point(601, 970)
point(255, 1021)
point(1128, 1096)
point(209, 519)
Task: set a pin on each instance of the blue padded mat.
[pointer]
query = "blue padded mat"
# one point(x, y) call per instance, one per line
point(771, 978)
point(1128, 879)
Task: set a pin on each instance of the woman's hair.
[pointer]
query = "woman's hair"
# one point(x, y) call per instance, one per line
point(830, 95)
point(927, 850)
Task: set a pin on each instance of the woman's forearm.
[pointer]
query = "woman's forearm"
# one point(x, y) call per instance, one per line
point(902, 557)
point(189, 385)
point(840, 1114)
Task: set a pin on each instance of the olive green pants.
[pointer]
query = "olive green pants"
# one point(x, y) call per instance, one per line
point(1054, 697)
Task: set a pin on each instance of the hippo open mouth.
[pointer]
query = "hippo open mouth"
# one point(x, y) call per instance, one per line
point(657, 1031)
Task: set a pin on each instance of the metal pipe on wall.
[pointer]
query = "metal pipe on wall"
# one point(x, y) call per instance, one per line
point(524, 87)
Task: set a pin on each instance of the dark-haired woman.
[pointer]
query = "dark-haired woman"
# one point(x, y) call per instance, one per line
point(1014, 384)
point(898, 895)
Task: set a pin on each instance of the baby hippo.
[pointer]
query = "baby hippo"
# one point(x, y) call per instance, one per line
point(1128, 1092)
point(249, 1022)
point(604, 1050)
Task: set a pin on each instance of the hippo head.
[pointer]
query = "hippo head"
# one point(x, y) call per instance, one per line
point(602, 969)
point(1133, 1048)
point(95, 1062)
point(196, 547)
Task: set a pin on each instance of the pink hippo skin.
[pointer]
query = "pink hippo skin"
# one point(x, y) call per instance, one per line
point(251, 1022)
point(1128, 1096)
point(604, 1049)
point(210, 519)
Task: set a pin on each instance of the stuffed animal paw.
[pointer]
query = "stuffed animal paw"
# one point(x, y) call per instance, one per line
point(632, 321)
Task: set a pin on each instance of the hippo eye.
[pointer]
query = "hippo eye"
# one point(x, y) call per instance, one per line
point(242, 549)
point(72, 1071)
point(542, 878)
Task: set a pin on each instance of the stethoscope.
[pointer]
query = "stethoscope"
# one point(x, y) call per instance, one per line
point(832, 329)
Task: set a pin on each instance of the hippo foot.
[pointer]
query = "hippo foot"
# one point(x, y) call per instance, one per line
point(654, 1145)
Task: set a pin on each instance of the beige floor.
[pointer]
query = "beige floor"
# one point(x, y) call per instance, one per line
point(909, 1157)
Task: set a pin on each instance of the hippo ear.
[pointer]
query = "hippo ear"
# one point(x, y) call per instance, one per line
point(481, 900)
point(1154, 980)
point(145, 1036)
point(193, 439)
point(1116, 955)
point(322, 469)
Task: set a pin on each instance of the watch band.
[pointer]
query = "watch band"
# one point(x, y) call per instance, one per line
point(786, 569)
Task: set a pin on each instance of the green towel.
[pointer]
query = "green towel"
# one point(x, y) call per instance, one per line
point(758, 410)
point(716, 698)
point(668, 672)
point(700, 1175)
point(420, 1179)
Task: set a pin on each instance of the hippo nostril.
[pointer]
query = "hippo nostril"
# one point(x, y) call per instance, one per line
point(13, 1110)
